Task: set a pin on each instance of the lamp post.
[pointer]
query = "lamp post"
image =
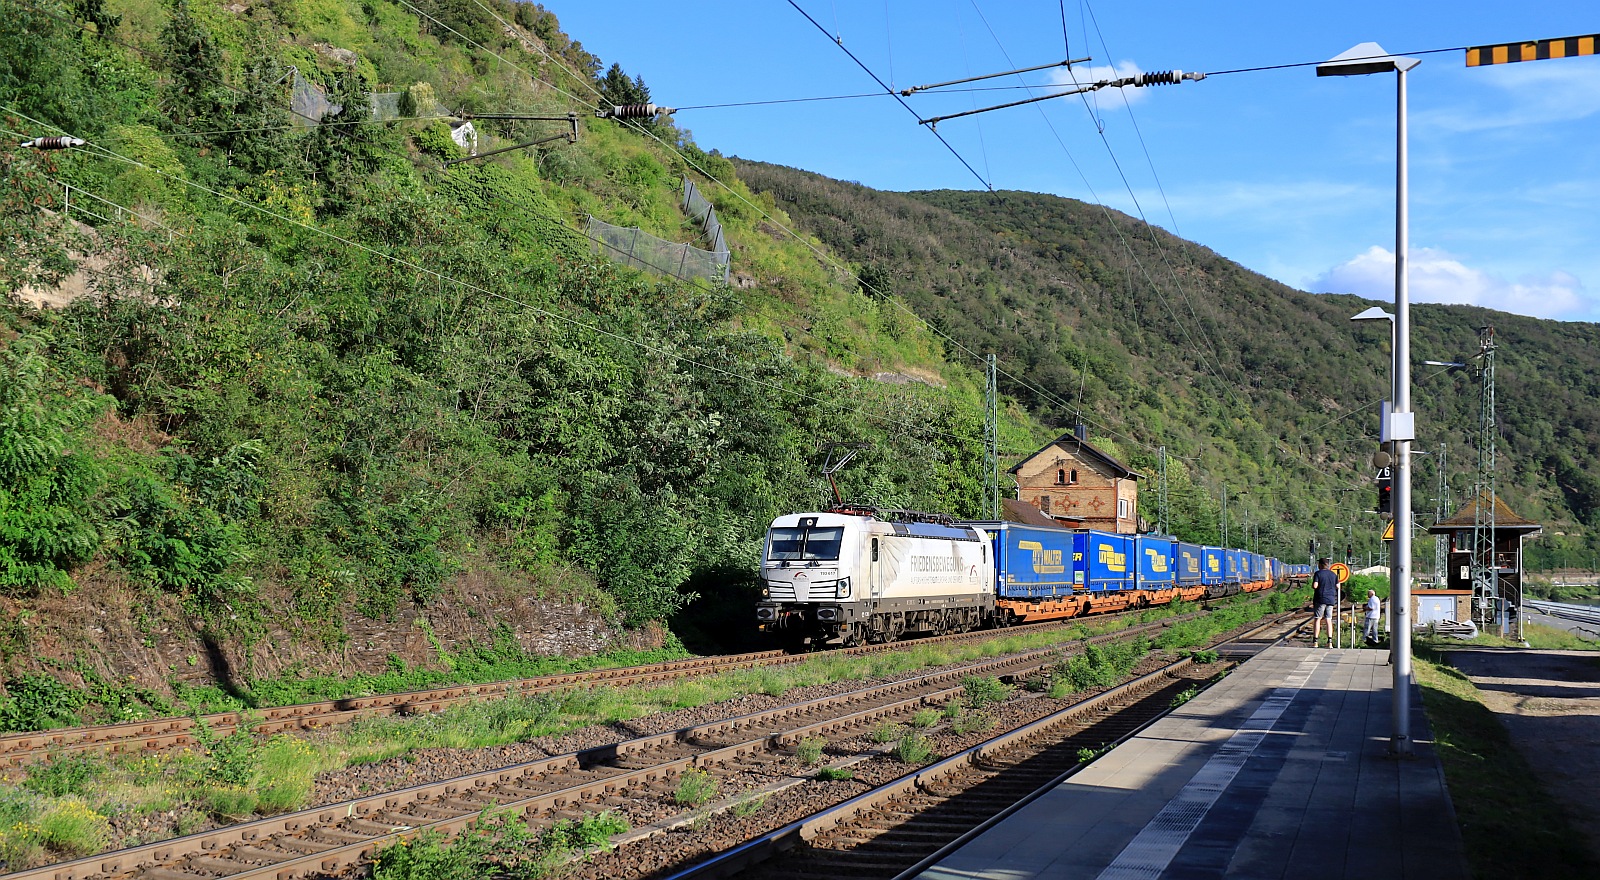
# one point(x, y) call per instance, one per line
point(1400, 427)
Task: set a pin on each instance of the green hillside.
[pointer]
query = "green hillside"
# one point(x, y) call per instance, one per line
point(321, 377)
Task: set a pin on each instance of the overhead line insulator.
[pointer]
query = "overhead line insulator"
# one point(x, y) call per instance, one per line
point(53, 143)
point(631, 111)
point(1164, 78)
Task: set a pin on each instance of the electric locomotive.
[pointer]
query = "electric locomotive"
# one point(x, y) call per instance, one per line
point(865, 574)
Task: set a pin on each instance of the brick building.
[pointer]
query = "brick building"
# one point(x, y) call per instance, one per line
point(1069, 479)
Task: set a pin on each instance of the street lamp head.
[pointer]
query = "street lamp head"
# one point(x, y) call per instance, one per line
point(1364, 59)
point(1373, 314)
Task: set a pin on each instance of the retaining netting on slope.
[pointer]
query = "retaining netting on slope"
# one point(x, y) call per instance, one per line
point(634, 247)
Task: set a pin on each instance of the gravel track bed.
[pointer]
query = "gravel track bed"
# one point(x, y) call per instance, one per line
point(433, 765)
point(428, 765)
point(706, 835)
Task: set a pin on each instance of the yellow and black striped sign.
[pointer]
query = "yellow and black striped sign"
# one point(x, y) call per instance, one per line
point(1533, 50)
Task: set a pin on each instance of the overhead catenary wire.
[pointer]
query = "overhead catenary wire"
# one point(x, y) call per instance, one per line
point(1177, 284)
point(1133, 121)
point(890, 90)
point(1111, 221)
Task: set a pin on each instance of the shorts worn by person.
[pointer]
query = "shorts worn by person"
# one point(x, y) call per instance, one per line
point(1374, 608)
point(1325, 600)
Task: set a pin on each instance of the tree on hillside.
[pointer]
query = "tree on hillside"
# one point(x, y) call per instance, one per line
point(617, 88)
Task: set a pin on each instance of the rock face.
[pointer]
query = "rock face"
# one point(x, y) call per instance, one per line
point(121, 633)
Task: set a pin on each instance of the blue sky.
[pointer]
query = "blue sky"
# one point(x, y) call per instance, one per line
point(1286, 173)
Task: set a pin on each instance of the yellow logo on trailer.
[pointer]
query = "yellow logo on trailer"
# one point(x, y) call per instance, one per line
point(1044, 561)
point(1111, 559)
point(1158, 560)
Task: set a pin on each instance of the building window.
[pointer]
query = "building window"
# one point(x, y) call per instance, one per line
point(1074, 478)
point(1122, 508)
point(1061, 477)
point(1044, 503)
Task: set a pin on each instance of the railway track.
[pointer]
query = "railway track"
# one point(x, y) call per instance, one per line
point(137, 737)
point(900, 828)
point(335, 837)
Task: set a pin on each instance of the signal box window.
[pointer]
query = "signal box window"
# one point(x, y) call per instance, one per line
point(1061, 477)
point(805, 543)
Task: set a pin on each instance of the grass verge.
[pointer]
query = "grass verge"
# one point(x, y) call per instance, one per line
point(1511, 827)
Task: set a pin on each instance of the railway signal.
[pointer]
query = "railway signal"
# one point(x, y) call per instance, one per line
point(1385, 492)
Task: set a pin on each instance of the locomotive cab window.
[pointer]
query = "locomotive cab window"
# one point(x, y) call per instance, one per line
point(805, 543)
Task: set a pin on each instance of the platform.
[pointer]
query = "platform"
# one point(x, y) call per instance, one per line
point(1280, 770)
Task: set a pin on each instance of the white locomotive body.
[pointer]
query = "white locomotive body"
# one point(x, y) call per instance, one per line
point(856, 576)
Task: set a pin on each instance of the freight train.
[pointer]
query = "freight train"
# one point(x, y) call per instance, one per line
point(863, 574)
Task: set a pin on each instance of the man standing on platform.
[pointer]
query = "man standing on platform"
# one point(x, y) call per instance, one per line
point(1325, 599)
point(1374, 606)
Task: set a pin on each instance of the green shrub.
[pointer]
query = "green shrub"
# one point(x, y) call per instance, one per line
point(981, 691)
point(887, 731)
point(972, 722)
point(809, 750)
point(913, 748)
point(1085, 755)
point(47, 523)
point(835, 774)
point(40, 702)
point(1206, 656)
point(1184, 696)
point(69, 826)
point(752, 805)
point(695, 787)
point(64, 775)
point(593, 831)
point(1099, 666)
point(926, 718)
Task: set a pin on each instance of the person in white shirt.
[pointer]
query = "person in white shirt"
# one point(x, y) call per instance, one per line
point(1374, 606)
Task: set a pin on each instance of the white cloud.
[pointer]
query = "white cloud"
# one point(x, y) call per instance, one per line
point(1529, 95)
point(1437, 277)
point(1082, 75)
point(1296, 199)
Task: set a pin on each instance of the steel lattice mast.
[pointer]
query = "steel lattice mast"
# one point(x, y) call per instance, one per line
point(1441, 509)
point(1485, 573)
point(991, 438)
point(1163, 526)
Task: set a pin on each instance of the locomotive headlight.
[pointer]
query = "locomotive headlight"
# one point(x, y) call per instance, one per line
point(844, 588)
point(765, 592)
